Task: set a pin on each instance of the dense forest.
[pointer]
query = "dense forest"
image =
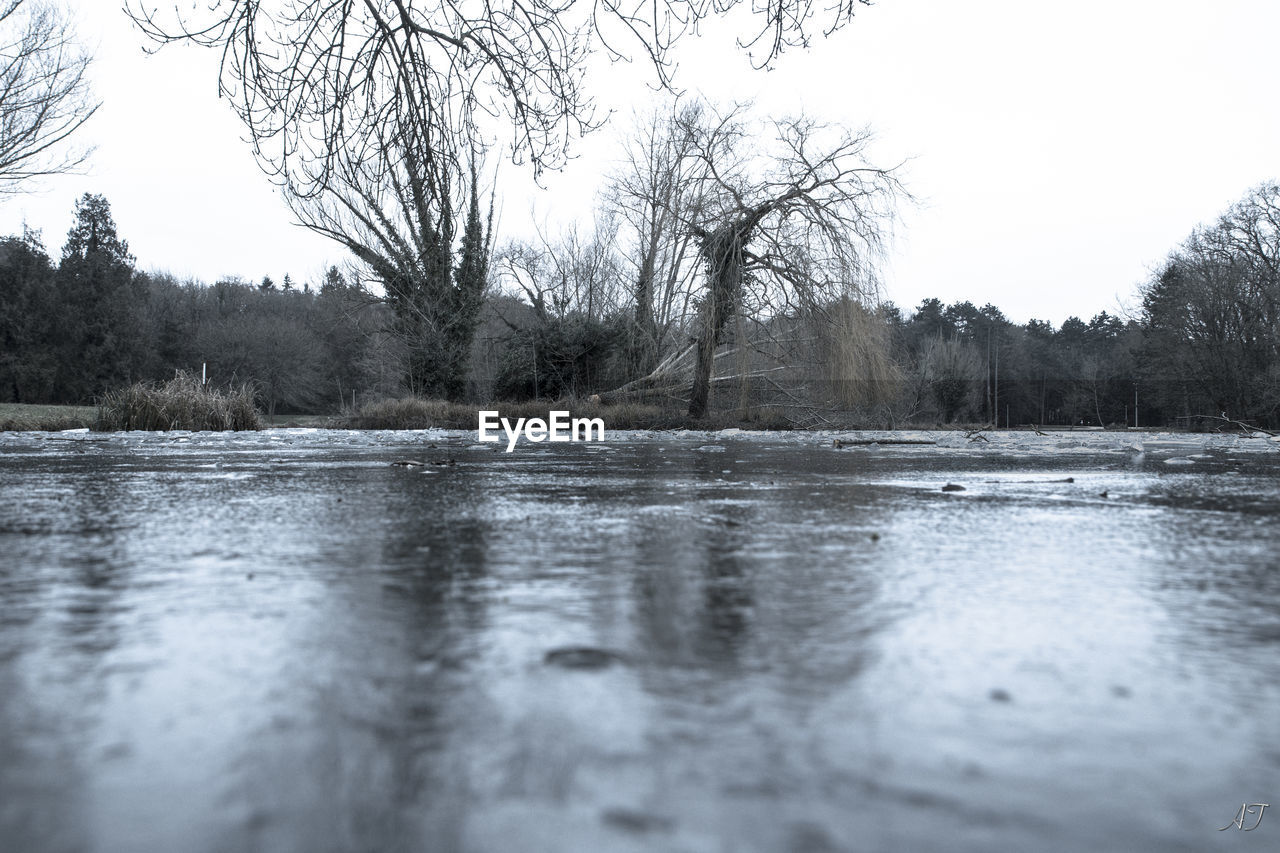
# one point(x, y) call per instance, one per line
point(558, 319)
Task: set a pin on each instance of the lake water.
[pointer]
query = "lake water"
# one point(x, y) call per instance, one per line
point(672, 642)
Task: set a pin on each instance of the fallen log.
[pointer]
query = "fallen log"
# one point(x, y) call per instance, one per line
point(859, 442)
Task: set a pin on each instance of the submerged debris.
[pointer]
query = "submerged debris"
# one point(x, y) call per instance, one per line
point(637, 822)
point(1000, 695)
point(582, 657)
point(866, 442)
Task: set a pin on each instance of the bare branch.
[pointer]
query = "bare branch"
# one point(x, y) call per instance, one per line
point(44, 94)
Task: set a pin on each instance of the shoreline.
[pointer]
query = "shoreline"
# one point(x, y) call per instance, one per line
point(428, 416)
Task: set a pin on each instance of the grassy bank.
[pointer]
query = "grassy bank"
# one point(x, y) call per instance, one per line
point(413, 413)
point(24, 417)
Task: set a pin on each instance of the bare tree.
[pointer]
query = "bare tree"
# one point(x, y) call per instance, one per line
point(575, 272)
point(369, 113)
point(44, 93)
point(787, 218)
point(654, 192)
point(1250, 232)
point(310, 77)
point(787, 226)
point(953, 372)
point(391, 199)
point(1212, 313)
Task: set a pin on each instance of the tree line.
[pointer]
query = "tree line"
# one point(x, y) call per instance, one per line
point(91, 322)
point(1205, 342)
point(557, 317)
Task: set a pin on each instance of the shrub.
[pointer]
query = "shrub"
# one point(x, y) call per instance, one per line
point(562, 358)
point(181, 403)
point(412, 413)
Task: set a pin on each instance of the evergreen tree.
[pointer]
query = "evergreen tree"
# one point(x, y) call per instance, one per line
point(27, 363)
point(99, 326)
point(334, 281)
point(437, 304)
point(419, 289)
point(470, 277)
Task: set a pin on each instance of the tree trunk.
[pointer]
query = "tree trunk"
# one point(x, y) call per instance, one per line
point(723, 252)
point(706, 349)
point(646, 333)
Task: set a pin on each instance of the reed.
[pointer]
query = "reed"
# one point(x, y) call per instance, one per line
point(181, 403)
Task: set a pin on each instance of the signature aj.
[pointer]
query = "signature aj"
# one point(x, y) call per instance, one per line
point(1246, 811)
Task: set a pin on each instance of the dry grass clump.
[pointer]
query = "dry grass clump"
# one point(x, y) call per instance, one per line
point(412, 413)
point(181, 403)
point(630, 415)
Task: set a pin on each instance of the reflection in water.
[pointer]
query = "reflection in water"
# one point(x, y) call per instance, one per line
point(692, 597)
point(282, 642)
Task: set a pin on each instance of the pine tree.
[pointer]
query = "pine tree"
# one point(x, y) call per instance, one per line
point(99, 326)
point(437, 303)
point(27, 312)
point(334, 281)
point(470, 278)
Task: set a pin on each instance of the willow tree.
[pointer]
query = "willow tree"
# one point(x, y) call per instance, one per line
point(789, 216)
point(359, 108)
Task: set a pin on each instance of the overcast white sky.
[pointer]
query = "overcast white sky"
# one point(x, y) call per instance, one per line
point(1058, 150)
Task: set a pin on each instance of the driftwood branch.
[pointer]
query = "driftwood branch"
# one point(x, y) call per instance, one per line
point(1240, 425)
point(675, 372)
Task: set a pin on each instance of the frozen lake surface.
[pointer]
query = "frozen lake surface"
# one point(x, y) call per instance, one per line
point(715, 642)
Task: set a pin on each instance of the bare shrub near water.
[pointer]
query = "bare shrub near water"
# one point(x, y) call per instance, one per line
point(412, 413)
point(181, 403)
point(857, 356)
